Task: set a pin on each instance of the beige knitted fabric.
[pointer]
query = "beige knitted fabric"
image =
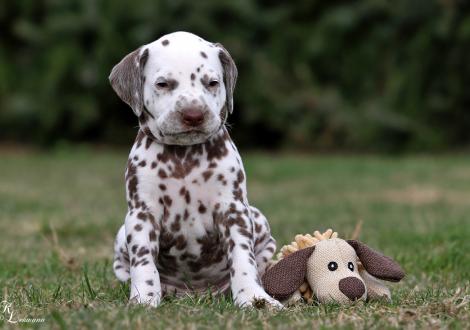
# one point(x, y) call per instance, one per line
point(331, 270)
point(302, 242)
point(324, 281)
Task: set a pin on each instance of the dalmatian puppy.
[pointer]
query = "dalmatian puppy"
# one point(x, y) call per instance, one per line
point(189, 226)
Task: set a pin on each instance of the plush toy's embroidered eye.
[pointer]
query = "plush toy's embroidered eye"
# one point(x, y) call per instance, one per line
point(351, 266)
point(332, 266)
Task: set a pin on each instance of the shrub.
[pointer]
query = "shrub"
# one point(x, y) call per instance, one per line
point(364, 75)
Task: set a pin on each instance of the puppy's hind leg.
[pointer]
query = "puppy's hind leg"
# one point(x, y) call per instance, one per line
point(121, 256)
point(265, 245)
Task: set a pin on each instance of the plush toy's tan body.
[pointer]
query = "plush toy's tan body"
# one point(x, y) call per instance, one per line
point(330, 269)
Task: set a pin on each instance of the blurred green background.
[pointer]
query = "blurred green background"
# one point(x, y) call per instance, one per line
point(346, 77)
point(369, 75)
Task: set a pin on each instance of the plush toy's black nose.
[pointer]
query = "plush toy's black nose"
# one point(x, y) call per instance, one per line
point(352, 287)
point(192, 117)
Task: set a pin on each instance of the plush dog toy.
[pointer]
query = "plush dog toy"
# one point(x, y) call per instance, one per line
point(329, 269)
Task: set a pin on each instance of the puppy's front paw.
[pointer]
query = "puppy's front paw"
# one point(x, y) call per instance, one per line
point(145, 296)
point(255, 297)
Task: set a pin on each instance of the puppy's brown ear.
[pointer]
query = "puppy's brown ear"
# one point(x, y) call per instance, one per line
point(284, 278)
point(127, 79)
point(230, 75)
point(377, 264)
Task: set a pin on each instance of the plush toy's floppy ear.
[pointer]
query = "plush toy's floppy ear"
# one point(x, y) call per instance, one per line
point(127, 79)
point(285, 277)
point(376, 263)
point(230, 75)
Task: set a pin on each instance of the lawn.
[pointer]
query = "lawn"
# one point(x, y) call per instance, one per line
point(59, 212)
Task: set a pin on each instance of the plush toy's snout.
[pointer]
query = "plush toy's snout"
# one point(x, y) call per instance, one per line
point(352, 287)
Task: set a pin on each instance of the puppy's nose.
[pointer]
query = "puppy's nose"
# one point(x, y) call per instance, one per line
point(192, 116)
point(352, 287)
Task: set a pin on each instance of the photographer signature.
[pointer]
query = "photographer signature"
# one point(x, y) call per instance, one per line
point(8, 314)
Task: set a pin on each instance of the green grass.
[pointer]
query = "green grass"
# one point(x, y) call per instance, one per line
point(59, 213)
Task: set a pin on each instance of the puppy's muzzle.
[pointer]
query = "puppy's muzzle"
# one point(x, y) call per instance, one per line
point(192, 117)
point(352, 287)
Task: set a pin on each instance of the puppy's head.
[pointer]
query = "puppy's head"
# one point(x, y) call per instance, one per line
point(180, 86)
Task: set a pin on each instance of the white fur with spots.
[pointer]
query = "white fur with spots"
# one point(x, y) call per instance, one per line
point(189, 225)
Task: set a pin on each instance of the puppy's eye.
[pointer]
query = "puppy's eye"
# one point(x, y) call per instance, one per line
point(213, 83)
point(332, 266)
point(162, 84)
point(351, 266)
